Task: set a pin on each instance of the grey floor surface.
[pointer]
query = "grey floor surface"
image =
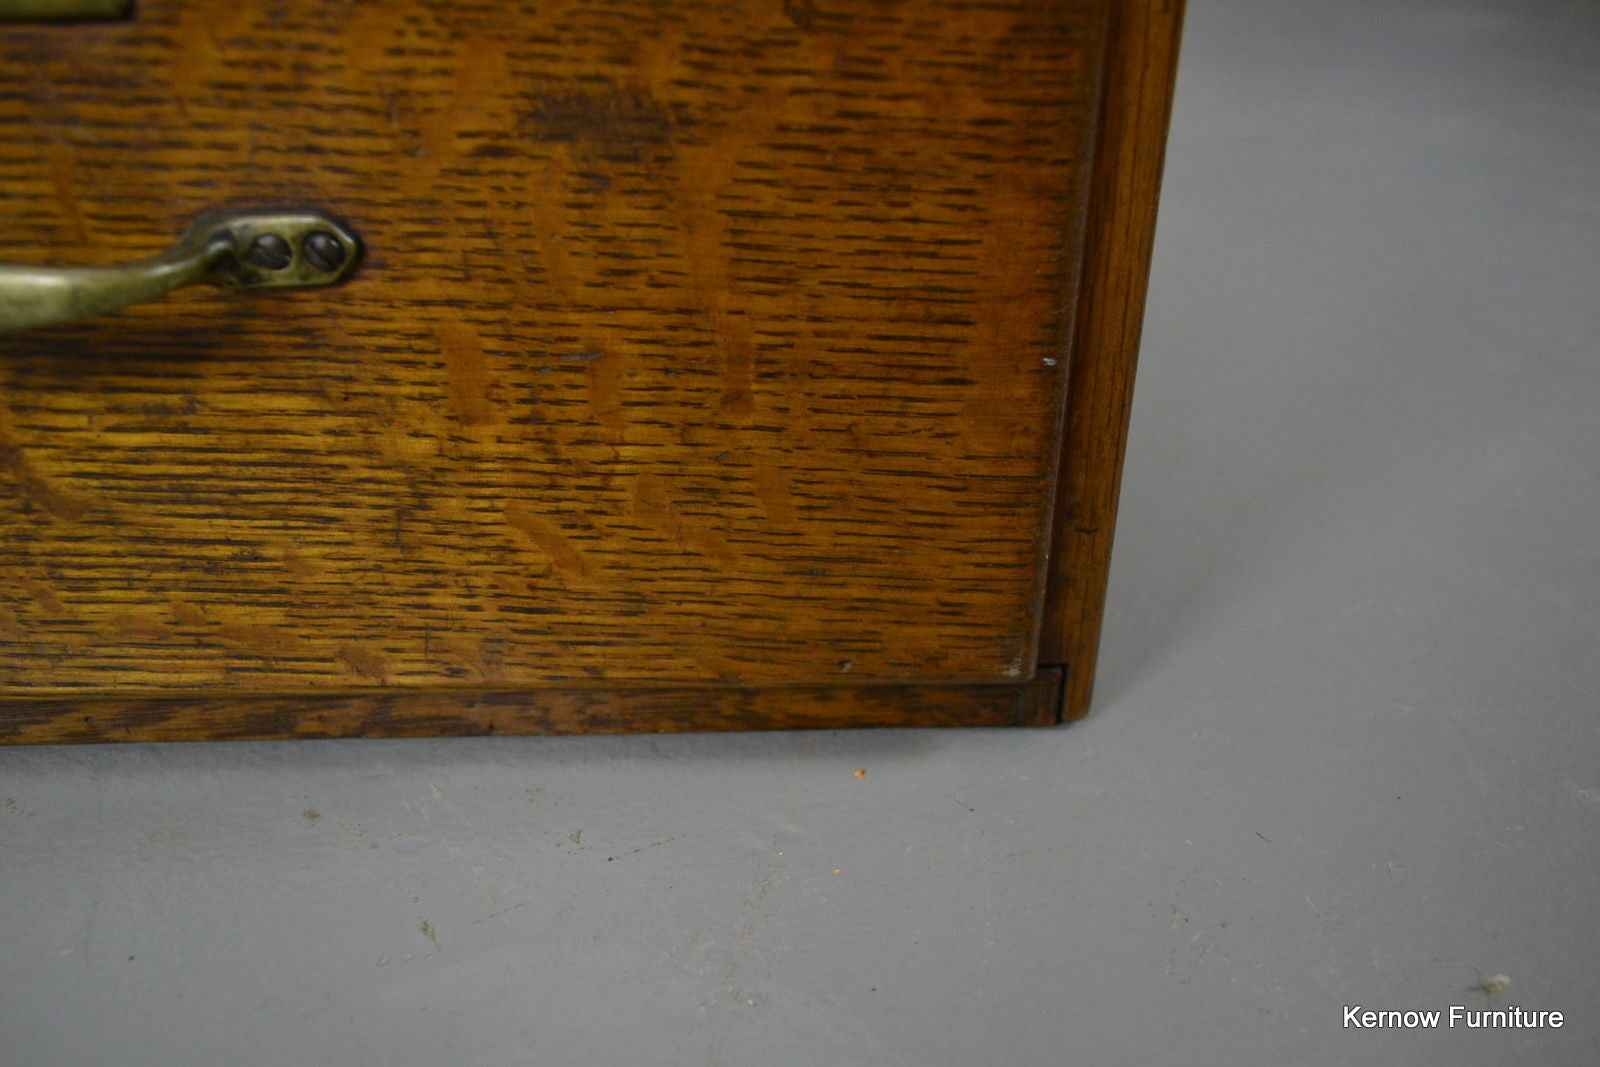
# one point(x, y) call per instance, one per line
point(1345, 751)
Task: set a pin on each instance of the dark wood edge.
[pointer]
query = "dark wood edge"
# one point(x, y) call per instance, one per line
point(466, 713)
point(1135, 106)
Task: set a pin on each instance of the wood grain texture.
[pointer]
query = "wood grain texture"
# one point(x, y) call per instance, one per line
point(1136, 103)
point(696, 342)
point(463, 712)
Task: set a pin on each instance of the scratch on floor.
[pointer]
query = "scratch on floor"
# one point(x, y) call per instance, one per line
point(641, 848)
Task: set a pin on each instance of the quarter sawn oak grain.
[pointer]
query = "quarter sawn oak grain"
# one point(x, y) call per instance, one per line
point(717, 349)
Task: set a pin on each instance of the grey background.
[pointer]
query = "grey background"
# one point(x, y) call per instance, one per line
point(1344, 750)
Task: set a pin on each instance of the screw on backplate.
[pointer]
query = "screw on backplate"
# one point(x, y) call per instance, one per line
point(323, 251)
point(269, 252)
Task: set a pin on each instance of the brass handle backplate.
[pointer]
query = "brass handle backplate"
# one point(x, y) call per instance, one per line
point(232, 249)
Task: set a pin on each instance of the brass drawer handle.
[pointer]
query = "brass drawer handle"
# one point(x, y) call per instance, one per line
point(62, 10)
point(233, 249)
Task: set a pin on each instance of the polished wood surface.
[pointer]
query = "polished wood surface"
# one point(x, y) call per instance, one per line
point(1140, 72)
point(720, 347)
point(694, 342)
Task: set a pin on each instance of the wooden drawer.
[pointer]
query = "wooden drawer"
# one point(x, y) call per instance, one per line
point(709, 365)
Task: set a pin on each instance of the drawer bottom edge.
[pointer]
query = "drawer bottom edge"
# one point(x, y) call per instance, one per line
point(488, 712)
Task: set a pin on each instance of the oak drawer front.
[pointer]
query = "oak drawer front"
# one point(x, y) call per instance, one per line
point(693, 343)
